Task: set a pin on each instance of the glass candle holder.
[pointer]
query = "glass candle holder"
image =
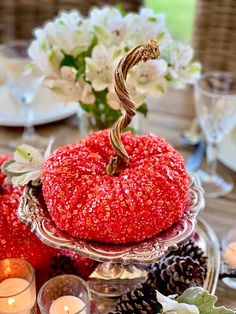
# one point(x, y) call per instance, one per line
point(228, 244)
point(17, 287)
point(65, 294)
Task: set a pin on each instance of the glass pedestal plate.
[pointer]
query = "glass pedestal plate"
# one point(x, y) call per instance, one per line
point(117, 270)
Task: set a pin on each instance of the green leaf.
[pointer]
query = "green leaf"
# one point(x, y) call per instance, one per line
point(204, 301)
point(80, 59)
point(143, 109)
point(152, 19)
point(69, 61)
point(120, 7)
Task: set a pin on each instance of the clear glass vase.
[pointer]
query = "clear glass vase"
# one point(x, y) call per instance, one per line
point(88, 122)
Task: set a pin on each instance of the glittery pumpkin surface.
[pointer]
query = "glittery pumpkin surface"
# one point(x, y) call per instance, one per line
point(146, 198)
point(16, 239)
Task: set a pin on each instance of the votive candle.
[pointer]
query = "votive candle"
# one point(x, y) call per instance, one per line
point(65, 294)
point(17, 287)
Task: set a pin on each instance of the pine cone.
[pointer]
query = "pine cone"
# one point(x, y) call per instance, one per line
point(174, 274)
point(61, 265)
point(141, 300)
point(193, 250)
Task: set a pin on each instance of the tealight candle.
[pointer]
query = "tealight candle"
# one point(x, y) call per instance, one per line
point(229, 255)
point(67, 305)
point(16, 303)
point(65, 294)
point(17, 287)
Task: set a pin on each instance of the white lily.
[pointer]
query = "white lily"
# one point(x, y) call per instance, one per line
point(70, 32)
point(171, 306)
point(101, 66)
point(26, 165)
point(110, 27)
point(46, 58)
point(68, 89)
point(148, 77)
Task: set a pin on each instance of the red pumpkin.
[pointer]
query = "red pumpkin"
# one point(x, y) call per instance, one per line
point(16, 239)
point(146, 198)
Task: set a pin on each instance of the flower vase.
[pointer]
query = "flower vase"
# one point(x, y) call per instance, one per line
point(89, 122)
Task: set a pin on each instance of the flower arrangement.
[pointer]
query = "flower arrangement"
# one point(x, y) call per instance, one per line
point(78, 56)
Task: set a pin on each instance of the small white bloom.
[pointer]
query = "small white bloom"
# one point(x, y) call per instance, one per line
point(67, 89)
point(87, 97)
point(110, 26)
point(27, 164)
point(101, 66)
point(47, 59)
point(148, 77)
point(169, 305)
point(70, 32)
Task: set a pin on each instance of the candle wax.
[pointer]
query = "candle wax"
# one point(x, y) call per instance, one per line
point(67, 304)
point(14, 298)
point(229, 255)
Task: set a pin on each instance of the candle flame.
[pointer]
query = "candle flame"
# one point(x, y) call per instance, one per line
point(11, 301)
point(66, 309)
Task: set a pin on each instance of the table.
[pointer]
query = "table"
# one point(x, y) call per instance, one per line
point(168, 116)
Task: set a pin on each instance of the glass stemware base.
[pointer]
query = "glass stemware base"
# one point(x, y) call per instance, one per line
point(215, 185)
point(30, 137)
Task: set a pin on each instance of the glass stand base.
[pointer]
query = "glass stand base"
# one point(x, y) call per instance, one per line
point(109, 281)
point(34, 140)
point(215, 186)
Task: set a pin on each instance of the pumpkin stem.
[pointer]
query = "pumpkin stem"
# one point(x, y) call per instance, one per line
point(144, 53)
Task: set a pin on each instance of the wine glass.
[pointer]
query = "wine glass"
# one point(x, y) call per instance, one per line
point(22, 81)
point(215, 100)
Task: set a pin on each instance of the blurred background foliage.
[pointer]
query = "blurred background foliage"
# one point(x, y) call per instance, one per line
point(179, 16)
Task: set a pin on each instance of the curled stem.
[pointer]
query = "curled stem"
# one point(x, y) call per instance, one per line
point(143, 53)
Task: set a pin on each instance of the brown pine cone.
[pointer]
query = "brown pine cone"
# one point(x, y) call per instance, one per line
point(193, 250)
point(141, 300)
point(175, 274)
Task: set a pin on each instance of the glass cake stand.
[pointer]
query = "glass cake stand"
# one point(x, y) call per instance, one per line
point(117, 270)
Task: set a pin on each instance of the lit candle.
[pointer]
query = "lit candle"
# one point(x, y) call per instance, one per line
point(229, 255)
point(20, 300)
point(67, 304)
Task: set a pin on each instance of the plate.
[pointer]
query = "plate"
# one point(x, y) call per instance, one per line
point(206, 238)
point(46, 108)
point(227, 153)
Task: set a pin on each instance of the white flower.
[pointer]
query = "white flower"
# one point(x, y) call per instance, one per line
point(101, 66)
point(148, 25)
point(68, 89)
point(171, 306)
point(92, 47)
point(27, 165)
point(46, 58)
point(87, 97)
point(110, 27)
point(148, 77)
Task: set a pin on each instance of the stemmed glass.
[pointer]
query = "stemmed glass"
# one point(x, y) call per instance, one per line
point(23, 82)
point(215, 100)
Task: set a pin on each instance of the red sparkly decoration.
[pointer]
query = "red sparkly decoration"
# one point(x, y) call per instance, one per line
point(16, 239)
point(146, 198)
